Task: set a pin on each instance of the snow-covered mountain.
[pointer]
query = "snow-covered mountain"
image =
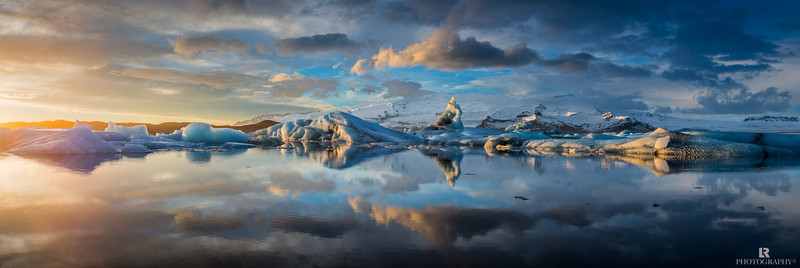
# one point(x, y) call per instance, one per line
point(494, 111)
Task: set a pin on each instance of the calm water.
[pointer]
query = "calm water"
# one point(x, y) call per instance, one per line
point(386, 207)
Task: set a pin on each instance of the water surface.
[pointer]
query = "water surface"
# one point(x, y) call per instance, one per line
point(351, 206)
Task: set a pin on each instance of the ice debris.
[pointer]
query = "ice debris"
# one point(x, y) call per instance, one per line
point(128, 131)
point(204, 133)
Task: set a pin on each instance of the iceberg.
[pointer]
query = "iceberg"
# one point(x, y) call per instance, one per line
point(337, 127)
point(134, 148)
point(670, 145)
point(79, 124)
point(128, 131)
point(72, 141)
point(155, 143)
point(204, 133)
point(450, 119)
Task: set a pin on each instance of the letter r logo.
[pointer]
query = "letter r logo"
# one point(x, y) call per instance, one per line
point(763, 253)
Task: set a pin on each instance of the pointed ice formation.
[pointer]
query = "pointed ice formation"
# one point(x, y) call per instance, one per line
point(337, 127)
point(450, 119)
point(79, 124)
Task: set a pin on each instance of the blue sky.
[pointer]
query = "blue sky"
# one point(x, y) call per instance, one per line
point(224, 61)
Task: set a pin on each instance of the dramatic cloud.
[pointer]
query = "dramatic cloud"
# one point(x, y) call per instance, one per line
point(193, 45)
point(405, 89)
point(445, 50)
point(741, 101)
point(714, 55)
point(318, 43)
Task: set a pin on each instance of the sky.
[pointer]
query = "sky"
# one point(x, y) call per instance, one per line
point(222, 61)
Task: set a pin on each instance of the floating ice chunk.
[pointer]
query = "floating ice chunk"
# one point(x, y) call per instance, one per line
point(237, 145)
point(134, 148)
point(111, 136)
point(779, 140)
point(128, 131)
point(204, 133)
point(450, 119)
point(155, 143)
point(266, 141)
point(595, 136)
point(337, 127)
point(175, 135)
point(72, 141)
point(79, 124)
point(679, 145)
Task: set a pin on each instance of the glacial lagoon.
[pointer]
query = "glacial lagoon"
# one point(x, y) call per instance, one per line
point(376, 207)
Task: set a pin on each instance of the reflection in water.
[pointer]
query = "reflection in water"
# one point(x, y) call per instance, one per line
point(449, 160)
point(85, 163)
point(338, 156)
point(350, 206)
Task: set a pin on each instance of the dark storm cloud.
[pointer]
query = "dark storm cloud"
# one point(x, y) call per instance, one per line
point(317, 43)
point(568, 62)
point(209, 8)
point(740, 101)
point(663, 110)
point(405, 89)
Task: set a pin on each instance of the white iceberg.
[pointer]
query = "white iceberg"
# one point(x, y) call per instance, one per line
point(667, 144)
point(128, 131)
point(204, 133)
point(450, 119)
point(79, 124)
point(72, 141)
point(337, 127)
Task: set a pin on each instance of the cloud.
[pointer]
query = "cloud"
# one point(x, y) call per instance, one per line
point(663, 110)
point(741, 101)
point(369, 90)
point(192, 45)
point(404, 89)
point(569, 62)
point(217, 80)
point(191, 221)
point(295, 85)
point(336, 42)
point(281, 85)
point(445, 50)
point(292, 183)
point(603, 101)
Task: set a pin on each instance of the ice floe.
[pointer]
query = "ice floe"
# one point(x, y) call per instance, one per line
point(128, 131)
